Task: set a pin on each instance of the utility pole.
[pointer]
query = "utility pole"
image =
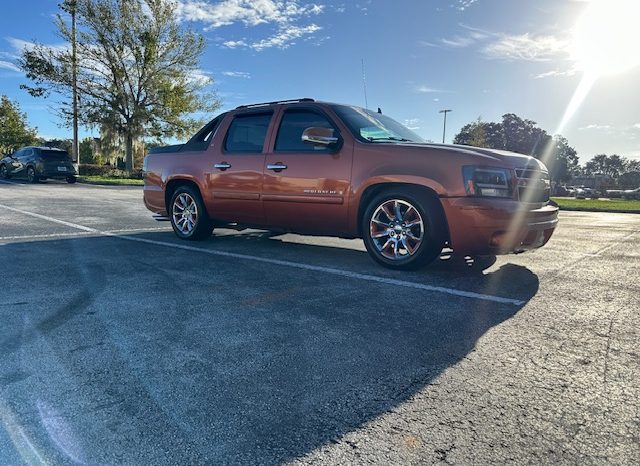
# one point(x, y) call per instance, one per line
point(70, 6)
point(444, 128)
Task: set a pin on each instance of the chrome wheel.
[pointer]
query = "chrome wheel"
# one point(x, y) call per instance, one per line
point(185, 213)
point(396, 229)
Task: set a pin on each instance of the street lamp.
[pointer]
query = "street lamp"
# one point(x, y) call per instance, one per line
point(444, 129)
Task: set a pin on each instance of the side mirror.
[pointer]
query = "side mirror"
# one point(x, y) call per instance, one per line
point(317, 135)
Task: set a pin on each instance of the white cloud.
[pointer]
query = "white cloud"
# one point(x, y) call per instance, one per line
point(555, 73)
point(237, 74)
point(464, 4)
point(596, 127)
point(233, 44)
point(285, 37)
point(458, 41)
point(248, 12)
point(429, 90)
point(19, 45)
point(6, 65)
point(283, 14)
point(526, 47)
point(637, 126)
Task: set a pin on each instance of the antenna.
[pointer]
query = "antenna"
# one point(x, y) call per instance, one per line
point(364, 86)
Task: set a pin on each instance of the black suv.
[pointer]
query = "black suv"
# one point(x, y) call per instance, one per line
point(38, 163)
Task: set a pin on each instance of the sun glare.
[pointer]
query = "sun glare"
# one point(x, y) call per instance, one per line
point(606, 38)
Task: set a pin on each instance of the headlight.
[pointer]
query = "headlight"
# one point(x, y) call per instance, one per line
point(487, 181)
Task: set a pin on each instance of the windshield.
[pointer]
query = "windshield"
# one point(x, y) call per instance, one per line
point(371, 126)
point(54, 154)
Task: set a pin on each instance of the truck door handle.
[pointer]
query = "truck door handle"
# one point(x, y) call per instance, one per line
point(276, 167)
point(222, 166)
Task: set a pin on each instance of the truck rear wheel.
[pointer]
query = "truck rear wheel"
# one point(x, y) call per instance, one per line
point(189, 217)
point(403, 229)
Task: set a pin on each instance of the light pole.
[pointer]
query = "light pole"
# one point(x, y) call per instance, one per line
point(444, 128)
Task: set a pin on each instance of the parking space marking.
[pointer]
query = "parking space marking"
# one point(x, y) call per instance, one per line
point(298, 265)
point(52, 235)
point(50, 219)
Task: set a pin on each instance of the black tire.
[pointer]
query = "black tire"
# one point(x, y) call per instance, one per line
point(71, 179)
point(4, 173)
point(31, 175)
point(431, 229)
point(202, 226)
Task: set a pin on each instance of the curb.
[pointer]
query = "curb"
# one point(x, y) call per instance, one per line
point(608, 211)
point(107, 183)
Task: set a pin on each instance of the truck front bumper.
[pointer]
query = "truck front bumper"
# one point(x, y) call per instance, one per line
point(480, 226)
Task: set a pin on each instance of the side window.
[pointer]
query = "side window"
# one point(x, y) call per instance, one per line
point(293, 123)
point(203, 138)
point(26, 153)
point(247, 133)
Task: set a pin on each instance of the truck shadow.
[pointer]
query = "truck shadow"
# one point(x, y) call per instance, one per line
point(222, 360)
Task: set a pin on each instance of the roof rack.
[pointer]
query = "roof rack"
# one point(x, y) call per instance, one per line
point(290, 101)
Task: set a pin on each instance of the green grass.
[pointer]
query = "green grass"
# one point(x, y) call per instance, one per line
point(110, 181)
point(595, 205)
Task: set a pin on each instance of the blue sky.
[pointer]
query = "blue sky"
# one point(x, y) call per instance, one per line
point(476, 57)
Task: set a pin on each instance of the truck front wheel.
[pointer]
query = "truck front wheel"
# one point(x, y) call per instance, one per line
point(403, 229)
point(189, 217)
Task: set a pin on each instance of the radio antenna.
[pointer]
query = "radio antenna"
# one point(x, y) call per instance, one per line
point(364, 86)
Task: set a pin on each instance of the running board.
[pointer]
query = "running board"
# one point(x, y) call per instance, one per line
point(161, 218)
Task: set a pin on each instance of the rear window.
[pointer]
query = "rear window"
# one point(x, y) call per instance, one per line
point(55, 155)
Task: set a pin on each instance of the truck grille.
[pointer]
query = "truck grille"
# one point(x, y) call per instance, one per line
point(533, 185)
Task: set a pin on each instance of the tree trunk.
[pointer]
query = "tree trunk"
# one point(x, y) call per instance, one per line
point(129, 153)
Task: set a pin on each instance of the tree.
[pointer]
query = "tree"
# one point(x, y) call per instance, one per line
point(630, 179)
point(86, 151)
point(562, 160)
point(525, 137)
point(14, 131)
point(64, 144)
point(612, 165)
point(472, 134)
point(136, 69)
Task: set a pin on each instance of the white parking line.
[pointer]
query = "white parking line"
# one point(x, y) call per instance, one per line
point(52, 235)
point(297, 265)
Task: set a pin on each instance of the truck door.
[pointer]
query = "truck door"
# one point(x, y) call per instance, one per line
point(306, 185)
point(235, 179)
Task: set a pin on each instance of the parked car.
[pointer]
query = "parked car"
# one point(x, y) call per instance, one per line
point(631, 194)
point(582, 192)
point(327, 169)
point(37, 164)
point(614, 193)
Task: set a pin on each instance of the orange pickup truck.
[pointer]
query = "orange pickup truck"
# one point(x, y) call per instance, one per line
point(327, 169)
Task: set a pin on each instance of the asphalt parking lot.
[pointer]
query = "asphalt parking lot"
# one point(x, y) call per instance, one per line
point(120, 344)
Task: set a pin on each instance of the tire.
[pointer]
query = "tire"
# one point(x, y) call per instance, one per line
point(188, 215)
point(4, 173)
point(416, 240)
point(31, 175)
point(71, 179)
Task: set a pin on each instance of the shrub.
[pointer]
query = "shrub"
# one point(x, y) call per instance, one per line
point(108, 171)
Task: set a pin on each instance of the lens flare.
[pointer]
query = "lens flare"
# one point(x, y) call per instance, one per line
point(606, 38)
